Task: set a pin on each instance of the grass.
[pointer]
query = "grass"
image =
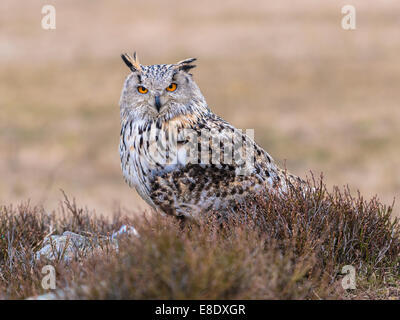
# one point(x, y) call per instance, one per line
point(290, 247)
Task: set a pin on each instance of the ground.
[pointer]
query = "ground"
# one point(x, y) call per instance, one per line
point(295, 246)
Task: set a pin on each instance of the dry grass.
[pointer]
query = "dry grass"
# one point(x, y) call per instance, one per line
point(323, 98)
point(284, 248)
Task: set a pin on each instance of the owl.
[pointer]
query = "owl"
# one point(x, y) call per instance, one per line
point(183, 159)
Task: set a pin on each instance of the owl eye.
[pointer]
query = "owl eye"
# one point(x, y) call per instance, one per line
point(142, 89)
point(172, 87)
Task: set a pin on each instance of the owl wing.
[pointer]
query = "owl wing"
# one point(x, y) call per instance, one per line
point(196, 185)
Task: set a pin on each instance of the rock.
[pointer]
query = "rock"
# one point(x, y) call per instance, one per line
point(57, 295)
point(71, 245)
point(125, 230)
point(63, 294)
point(65, 247)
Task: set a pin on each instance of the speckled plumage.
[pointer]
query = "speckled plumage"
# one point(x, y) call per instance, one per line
point(182, 186)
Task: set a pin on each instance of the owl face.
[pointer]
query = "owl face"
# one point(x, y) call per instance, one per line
point(158, 90)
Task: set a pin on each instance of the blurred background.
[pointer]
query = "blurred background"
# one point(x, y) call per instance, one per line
point(320, 98)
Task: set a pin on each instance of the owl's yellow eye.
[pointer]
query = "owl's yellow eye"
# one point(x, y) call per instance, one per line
point(142, 89)
point(172, 87)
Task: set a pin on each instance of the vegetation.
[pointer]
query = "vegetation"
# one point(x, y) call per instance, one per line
point(289, 247)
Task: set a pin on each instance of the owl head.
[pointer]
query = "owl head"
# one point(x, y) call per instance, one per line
point(160, 91)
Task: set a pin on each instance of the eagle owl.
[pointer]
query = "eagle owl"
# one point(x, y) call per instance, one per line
point(183, 159)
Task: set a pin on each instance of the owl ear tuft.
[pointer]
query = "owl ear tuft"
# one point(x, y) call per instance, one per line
point(185, 65)
point(132, 62)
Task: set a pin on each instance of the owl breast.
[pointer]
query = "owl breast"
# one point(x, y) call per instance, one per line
point(148, 151)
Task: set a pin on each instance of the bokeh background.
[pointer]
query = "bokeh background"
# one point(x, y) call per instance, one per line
point(319, 98)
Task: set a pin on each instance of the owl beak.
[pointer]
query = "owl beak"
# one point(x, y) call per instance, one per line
point(158, 103)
